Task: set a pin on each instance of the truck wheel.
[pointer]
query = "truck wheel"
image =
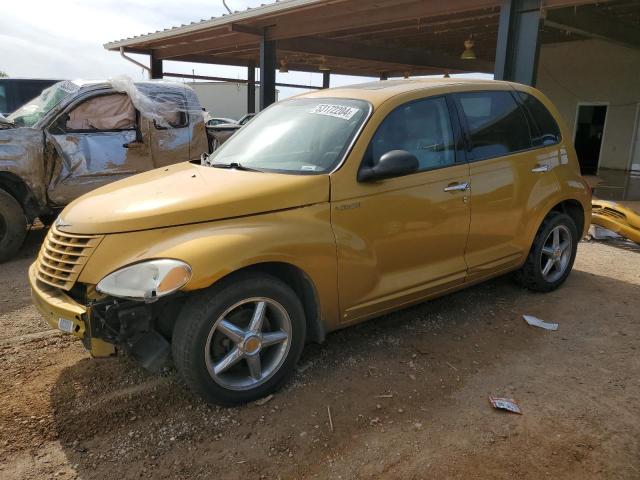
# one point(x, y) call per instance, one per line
point(552, 254)
point(239, 340)
point(13, 226)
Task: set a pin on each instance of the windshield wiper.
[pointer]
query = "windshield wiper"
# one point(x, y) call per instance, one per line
point(234, 165)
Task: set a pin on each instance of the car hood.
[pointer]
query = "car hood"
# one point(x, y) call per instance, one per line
point(187, 193)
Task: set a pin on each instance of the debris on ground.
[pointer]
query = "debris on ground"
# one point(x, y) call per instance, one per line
point(330, 419)
point(600, 233)
point(508, 404)
point(536, 322)
point(264, 400)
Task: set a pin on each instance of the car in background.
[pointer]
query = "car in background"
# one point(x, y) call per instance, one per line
point(15, 92)
point(245, 119)
point(326, 210)
point(214, 121)
point(221, 132)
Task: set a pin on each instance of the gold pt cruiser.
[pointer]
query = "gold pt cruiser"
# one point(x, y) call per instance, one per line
point(325, 210)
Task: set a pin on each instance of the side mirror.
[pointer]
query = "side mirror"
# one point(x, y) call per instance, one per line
point(392, 164)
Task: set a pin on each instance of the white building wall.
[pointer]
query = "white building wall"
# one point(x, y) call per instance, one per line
point(595, 71)
point(225, 99)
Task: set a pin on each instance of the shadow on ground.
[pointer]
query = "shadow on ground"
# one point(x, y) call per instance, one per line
point(407, 395)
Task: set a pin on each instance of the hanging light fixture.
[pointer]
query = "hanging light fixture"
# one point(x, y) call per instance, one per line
point(468, 53)
point(324, 66)
point(284, 66)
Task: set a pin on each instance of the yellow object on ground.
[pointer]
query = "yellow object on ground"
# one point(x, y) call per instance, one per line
point(617, 218)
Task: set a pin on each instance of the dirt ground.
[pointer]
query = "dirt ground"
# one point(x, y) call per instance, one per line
point(407, 393)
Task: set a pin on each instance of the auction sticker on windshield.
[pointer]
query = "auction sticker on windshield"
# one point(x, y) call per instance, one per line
point(338, 111)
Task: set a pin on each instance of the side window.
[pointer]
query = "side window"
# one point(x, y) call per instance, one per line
point(172, 109)
point(422, 128)
point(106, 112)
point(547, 131)
point(497, 126)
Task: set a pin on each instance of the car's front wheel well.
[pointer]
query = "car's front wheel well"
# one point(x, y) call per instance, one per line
point(574, 209)
point(304, 288)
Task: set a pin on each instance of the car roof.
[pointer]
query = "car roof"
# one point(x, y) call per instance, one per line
point(378, 92)
point(91, 84)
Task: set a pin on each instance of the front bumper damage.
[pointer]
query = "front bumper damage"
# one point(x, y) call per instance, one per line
point(64, 313)
point(106, 325)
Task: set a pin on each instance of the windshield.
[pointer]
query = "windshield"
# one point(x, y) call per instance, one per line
point(305, 135)
point(30, 113)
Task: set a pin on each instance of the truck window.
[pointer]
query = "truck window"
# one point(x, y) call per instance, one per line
point(106, 112)
point(172, 108)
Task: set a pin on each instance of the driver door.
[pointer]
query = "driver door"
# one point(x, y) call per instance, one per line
point(403, 238)
point(94, 142)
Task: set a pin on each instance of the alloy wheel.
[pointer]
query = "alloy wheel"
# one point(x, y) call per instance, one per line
point(248, 343)
point(556, 253)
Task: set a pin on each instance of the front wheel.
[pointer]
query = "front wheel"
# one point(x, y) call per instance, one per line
point(240, 340)
point(552, 254)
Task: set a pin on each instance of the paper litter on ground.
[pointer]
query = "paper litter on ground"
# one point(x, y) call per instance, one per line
point(536, 322)
point(508, 404)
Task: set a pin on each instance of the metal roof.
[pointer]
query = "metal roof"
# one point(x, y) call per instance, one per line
point(375, 37)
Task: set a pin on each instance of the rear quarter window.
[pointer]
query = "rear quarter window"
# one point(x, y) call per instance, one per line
point(545, 129)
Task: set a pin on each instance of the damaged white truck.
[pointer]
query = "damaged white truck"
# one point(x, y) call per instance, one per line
point(77, 136)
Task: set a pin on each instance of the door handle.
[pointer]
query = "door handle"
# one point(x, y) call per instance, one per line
point(541, 169)
point(456, 187)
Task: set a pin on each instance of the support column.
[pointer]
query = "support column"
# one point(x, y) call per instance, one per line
point(251, 88)
point(384, 76)
point(518, 46)
point(326, 79)
point(267, 72)
point(156, 67)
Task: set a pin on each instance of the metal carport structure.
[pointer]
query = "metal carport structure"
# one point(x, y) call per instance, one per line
point(385, 38)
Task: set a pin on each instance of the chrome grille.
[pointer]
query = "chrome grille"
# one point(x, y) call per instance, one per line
point(62, 257)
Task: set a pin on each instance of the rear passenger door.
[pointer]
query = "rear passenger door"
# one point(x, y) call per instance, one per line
point(507, 179)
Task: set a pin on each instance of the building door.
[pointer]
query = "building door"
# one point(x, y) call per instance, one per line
point(589, 130)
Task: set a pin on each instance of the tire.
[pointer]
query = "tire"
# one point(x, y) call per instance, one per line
point(201, 340)
point(532, 274)
point(13, 226)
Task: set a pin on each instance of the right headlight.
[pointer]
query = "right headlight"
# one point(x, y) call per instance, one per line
point(146, 280)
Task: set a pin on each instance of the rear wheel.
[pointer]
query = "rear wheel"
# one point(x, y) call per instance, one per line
point(240, 340)
point(13, 226)
point(552, 254)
